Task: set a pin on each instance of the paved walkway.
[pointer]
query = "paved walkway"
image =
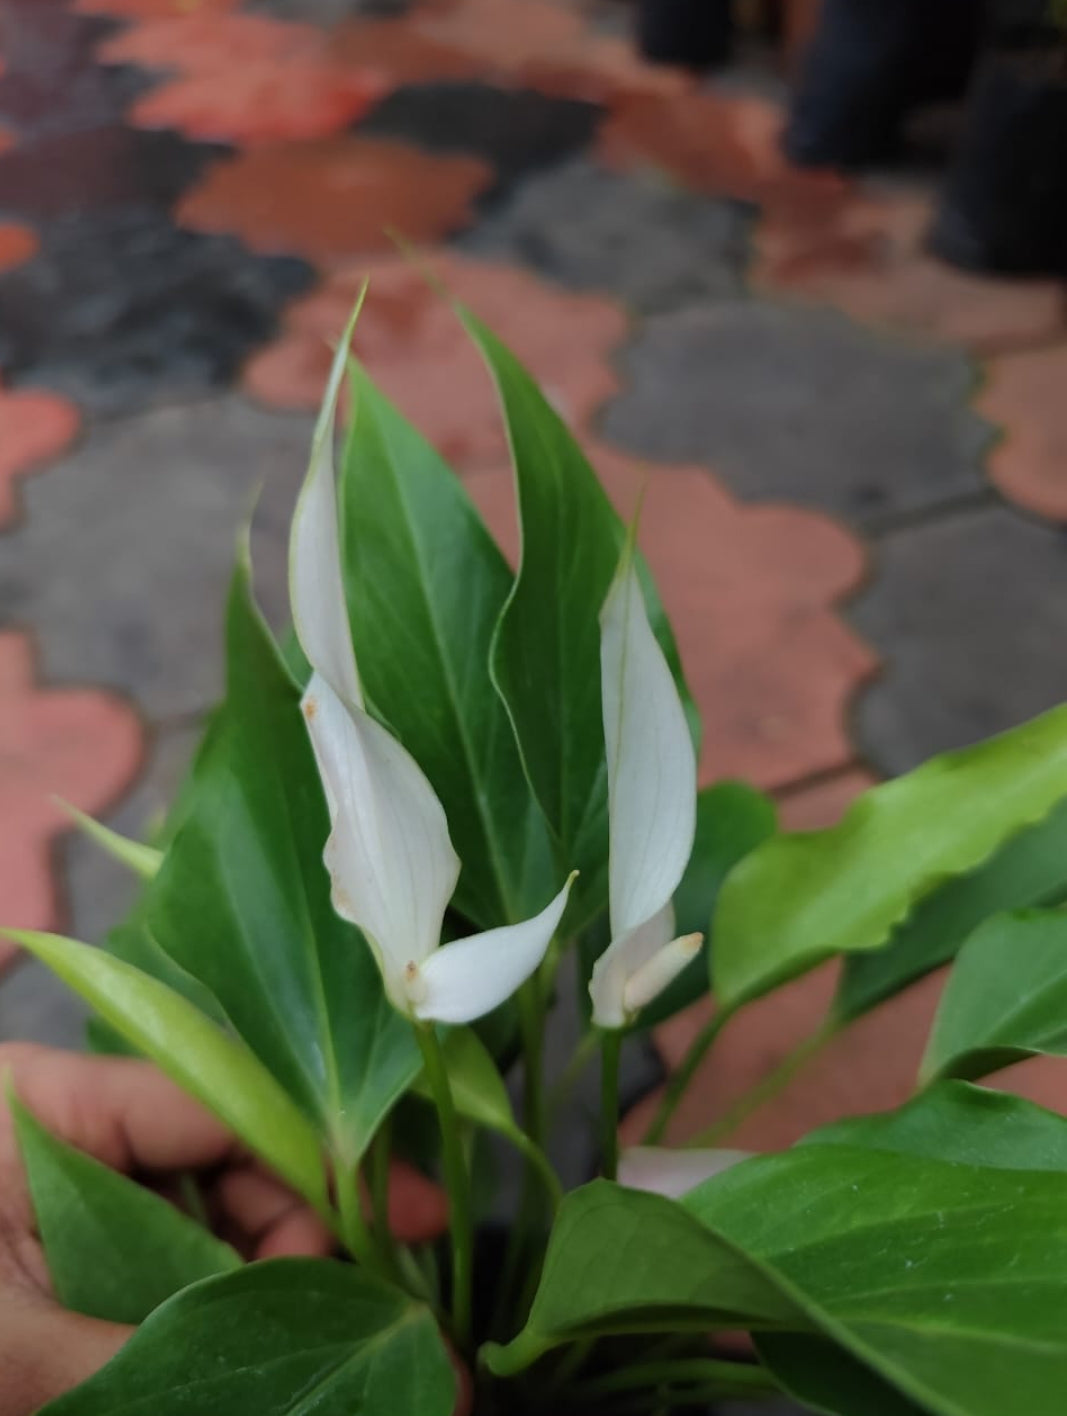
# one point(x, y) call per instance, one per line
point(858, 457)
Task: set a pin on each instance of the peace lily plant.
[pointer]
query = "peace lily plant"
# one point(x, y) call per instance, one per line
point(409, 827)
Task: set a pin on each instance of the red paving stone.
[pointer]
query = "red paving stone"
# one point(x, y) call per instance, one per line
point(7, 137)
point(416, 349)
point(334, 198)
point(34, 427)
point(17, 244)
point(1026, 395)
point(545, 46)
point(726, 145)
point(401, 53)
point(244, 78)
point(151, 9)
point(864, 254)
point(752, 592)
point(81, 744)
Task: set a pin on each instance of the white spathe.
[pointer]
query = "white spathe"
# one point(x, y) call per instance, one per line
point(652, 779)
point(673, 1172)
point(391, 862)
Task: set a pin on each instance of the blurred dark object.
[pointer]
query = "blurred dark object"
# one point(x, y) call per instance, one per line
point(870, 62)
point(695, 33)
point(1004, 204)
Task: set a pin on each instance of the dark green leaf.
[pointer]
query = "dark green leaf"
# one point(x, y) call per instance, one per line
point(294, 1337)
point(1031, 869)
point(827, 1379)
point(965, 1124)
point(205, 1061)
point(115, 1250)
point(242, 903)
point(546, 652)
point(949, 1282)
point(425, 584)
point(801, 899)
point(1006, 997)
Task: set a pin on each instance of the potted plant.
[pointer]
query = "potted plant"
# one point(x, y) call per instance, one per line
point(1004, 205)
point(867, 65)
point(396, 828)
point(696, 34)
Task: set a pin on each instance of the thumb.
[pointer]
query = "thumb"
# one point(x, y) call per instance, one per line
point(45, 1351)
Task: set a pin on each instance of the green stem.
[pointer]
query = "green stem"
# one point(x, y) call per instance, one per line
point(707, 1372)
point(355, 1234)
point(457, 1182)
point(610, 1050)
point(540, 1163)
point(580, 1059)
point(679, 1082)
point(769, 1086)
point(531, 1023)
point(378, 1185)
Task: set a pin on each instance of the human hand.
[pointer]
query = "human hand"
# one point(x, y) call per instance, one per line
point(128, 1115)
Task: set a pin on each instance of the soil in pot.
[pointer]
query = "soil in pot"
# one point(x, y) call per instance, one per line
point(868, 64)
point(1004, 204)
point(693, 33)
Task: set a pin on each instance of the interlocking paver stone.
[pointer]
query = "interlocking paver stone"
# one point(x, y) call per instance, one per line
point(970, 611)
point(1024, 395)
point(157, 501)
point(34, 427)
point(800, 404)
point(636, 235)
point(120, 308)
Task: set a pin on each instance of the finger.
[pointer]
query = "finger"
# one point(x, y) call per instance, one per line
point(124, 1112)
point(418, 1209)
point(274, 1220)
point(47, 1350)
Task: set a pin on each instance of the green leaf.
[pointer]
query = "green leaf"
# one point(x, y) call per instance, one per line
point(141, 859)
point(478, 1089)
point(242, 903)
point(801, 899)
point(546, 651)
point(626, 1261)
point(114, 1249)
point(1031, 869)
point(961, 1123)
point(827, 1379)
point(425, 584)
point(947, 1282)
point(1006, 997)
point(209, 1064)
point(293, 1337)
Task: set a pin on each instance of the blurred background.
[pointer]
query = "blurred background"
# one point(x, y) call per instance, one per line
point(801, 265)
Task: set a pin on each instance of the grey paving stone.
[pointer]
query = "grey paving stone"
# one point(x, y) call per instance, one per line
point(123, 557)
point(515, 130)
point(637, 235)
point(970, 615)
point(121, 308)
point(98, 890)
point(36, 1007)
point(800, 404)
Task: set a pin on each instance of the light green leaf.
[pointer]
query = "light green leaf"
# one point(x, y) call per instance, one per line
point(141, 859)
point(546, 651)
point(801, 899)
point(478, 1089)
point(114, 1249)
point(948, 1282)
point(242, 903)
point(958, 1122)
point(425, 584)
point(209, 1064)
point(1006, 997)
point(293, 1337)
point(1029, 870)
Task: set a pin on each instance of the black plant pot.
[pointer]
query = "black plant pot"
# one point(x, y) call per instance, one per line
point(695, 33)
point(869, 62)
point(1004, 205)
